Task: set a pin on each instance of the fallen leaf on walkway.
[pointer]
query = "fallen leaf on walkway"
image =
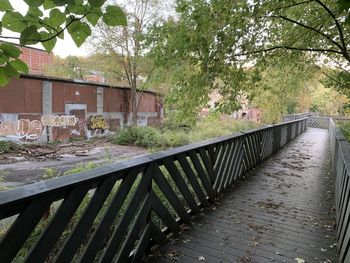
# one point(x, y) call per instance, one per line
point(201, 258)
point(299, 260)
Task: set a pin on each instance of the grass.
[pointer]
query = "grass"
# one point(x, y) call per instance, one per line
point(172, 134)
point(8, 147)
point(345, 129)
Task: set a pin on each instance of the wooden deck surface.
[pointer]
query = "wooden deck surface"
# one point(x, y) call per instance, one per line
point(282, 212)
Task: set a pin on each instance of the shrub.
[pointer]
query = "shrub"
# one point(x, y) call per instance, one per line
point(174, 134)
point(175, 126)
point(345, 129)
point(176, 138)
point(7, 146)
point(147, 137)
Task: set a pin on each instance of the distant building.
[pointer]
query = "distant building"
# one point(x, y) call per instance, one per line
point(37, 59)
point(94, 76)
point(247, 112)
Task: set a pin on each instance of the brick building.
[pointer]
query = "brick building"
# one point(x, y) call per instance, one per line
point(36, 59)
point(38, 108)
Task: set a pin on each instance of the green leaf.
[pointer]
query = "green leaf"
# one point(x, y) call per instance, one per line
point(19, 66)
point(57, 18)
point(79, 32)
point(344, 5)
point(4, 76)
point(3, 59)
point(5, 5)
point(34, 12)
point(114, 16)
point(96, 3)
point(34, 3)
point(94, 15)
point(11, 71)
point(48, 4)
point(48, 45)
point(61, 36)
point(10, 50)
point(30, 36)
point(60, 2)
point(77, 9)
point(14, 21)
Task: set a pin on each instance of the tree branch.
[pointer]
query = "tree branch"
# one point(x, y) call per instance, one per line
point(341, 35)
point(333, 79)
point(289, 48)
point(292, 5)
point(309, 28)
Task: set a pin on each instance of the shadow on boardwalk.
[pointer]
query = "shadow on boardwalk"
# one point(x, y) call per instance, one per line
point(283, 212)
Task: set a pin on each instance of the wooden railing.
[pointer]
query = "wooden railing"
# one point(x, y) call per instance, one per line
point(313, 120)
point(118, 212)
point(340, 153)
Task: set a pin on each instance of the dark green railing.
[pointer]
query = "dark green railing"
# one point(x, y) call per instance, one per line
point(118, 212)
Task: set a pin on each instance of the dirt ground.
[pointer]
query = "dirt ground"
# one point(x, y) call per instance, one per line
point(28, 163)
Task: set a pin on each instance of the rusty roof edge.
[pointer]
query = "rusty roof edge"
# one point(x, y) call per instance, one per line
point(78, 81)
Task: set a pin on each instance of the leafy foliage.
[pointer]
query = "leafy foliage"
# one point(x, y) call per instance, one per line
point(147, 137)
point(225, 46)
point(47, 20)
point(174, 134)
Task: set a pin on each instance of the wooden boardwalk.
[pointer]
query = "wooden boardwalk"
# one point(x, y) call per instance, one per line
point(282, 212)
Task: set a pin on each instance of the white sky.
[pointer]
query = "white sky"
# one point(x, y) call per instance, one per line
point(63, 48)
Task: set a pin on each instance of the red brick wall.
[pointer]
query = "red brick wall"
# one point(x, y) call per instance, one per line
point(148, 103)
point(21, 96)
point(73, 93)
point(36, 59)
point(113, 100)
point(24, 95)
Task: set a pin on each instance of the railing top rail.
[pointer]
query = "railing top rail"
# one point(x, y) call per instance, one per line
point(18, 195)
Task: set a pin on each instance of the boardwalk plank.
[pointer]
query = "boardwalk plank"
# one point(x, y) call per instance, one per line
point(281, 211)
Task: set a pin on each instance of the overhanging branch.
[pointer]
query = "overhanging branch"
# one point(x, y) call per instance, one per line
point(289, 48)
point(309, 28)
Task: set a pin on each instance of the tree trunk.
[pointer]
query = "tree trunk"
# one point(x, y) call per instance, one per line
point(134, 101)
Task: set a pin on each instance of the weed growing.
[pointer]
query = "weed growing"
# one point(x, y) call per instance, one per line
point(172, 134)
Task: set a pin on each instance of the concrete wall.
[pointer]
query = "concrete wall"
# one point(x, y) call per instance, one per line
point(41, 109)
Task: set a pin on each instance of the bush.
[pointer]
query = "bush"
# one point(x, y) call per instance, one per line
point(175, 134)
point(147, 137)
point(7, 146)
point(170, 125)
point(176, 139)
point(345, 129)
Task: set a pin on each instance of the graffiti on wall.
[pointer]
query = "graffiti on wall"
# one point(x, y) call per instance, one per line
point(58, 121)
point(142, 121)
point(25, 129)
point(22, 129)
point(97, 122)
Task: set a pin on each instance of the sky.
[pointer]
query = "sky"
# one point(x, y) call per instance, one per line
point(67, 47)
point(63, 48)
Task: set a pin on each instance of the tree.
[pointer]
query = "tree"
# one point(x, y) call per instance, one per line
point(47, 20)
point(283, 85)
point(125, 46)
point(221, 39)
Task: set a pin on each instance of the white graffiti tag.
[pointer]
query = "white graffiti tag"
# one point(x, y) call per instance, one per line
point(23, 129)
point(58, 121)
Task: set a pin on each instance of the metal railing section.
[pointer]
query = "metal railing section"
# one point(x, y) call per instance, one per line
point(340, 156)
point(118, 212)
point(313, 120)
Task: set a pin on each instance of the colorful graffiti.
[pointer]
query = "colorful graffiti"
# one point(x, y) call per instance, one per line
point(97, 122)
point(22, 129)
point(58, 121)
point(25, 129)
